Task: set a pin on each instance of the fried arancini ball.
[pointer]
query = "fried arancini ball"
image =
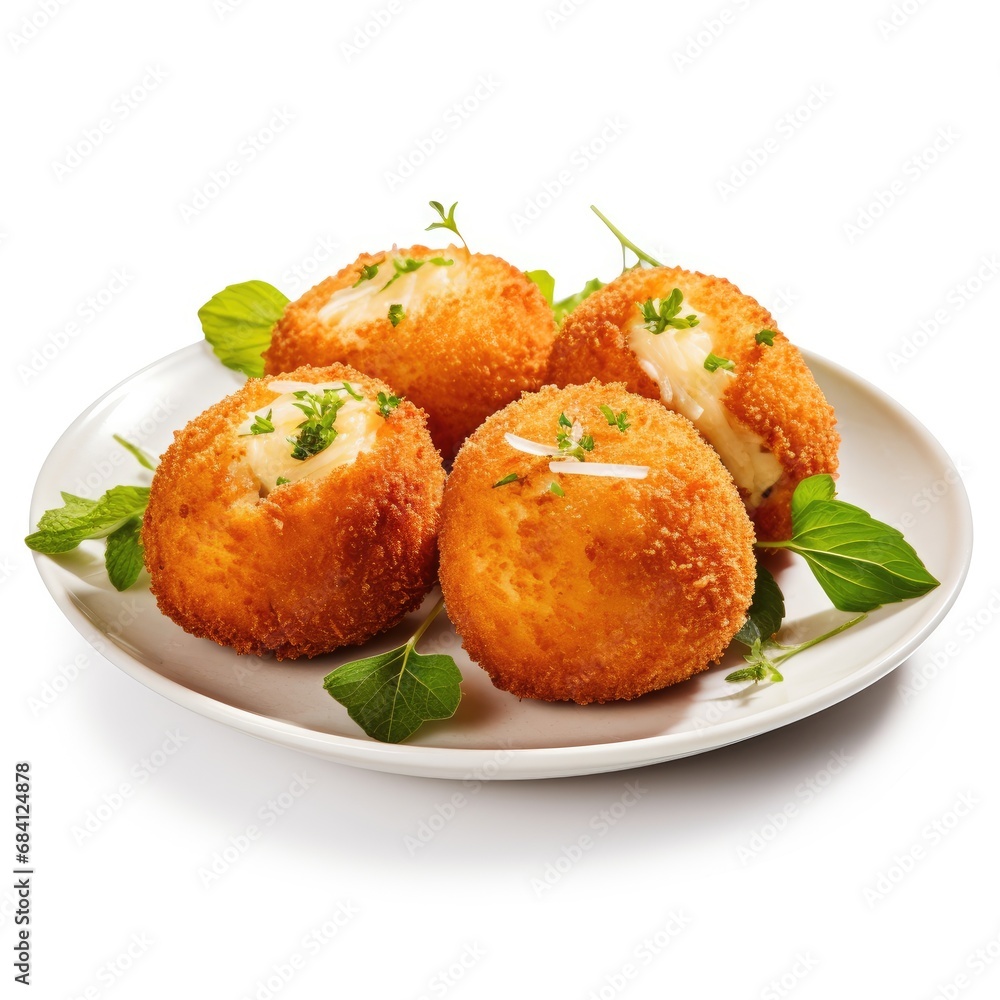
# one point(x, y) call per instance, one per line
point(461, 334)
point(263, 551)
point(606, 587)
point(767, 417)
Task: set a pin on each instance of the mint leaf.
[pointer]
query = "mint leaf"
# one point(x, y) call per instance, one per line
point(767, 609)
point(238, 322)
point(391, 695)
point(137, 453)
point(859, 562)
point(123, 555)
point(63, 528)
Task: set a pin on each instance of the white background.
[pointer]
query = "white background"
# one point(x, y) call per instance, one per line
point(599, 96)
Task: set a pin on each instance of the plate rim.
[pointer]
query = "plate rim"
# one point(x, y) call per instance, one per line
point(524, 762)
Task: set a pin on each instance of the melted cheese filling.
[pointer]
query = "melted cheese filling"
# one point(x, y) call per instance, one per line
point(371, 299)
point(675, 360)
point(270, 454)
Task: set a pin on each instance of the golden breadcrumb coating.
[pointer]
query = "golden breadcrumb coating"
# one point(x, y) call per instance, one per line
point(774, 395)
point(474, 334)
point(619, 587)
point(316, 564)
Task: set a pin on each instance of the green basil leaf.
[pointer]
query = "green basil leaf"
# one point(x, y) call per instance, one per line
point(767, 611)
point(238, 322)
point(814, 488)
point(859, 562)
point(392, 694)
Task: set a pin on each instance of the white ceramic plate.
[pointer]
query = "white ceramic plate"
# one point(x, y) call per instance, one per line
point(886, 459)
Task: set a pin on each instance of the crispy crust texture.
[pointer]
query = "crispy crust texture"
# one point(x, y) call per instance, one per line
point(774, 394)
point(617, 588)
point(315, 564)
point(460, 354)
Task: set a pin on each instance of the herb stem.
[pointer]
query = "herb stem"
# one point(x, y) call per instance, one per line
point(624, 240)
point(426, 623)
point(792, 650)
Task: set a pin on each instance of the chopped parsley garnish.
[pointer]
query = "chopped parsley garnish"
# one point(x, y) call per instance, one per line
point(316, 432)
point(661, 313)
point(396, 313)
point(368, 271)
point(765, 337)
point(410, 265)
point(619, 420)
point(447, 221)
point(386, 404)
point(573, 442)
point(557, 489)
point(281, 481)
point(713, 363)
point(261, 425)
point(510, 478)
